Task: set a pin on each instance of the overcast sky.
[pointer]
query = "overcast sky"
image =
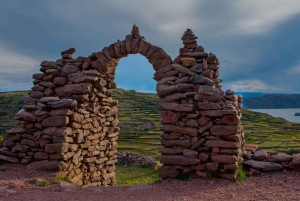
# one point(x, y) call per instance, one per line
point(257, 41)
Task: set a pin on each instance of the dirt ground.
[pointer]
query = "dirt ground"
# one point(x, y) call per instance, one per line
point(14, 185)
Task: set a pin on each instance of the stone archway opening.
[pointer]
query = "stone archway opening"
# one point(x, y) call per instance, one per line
point(69, 122)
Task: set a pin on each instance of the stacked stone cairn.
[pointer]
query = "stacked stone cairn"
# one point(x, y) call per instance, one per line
point(69, 121)
point(202, 127)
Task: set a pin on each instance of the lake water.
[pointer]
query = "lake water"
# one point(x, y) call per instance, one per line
point(287, 114)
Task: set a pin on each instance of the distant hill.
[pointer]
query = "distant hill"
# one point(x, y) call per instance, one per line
point(272, 101)
point(251, 94)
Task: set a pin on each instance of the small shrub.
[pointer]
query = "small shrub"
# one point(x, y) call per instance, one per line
point(44, 183)
point(241, 174)
point(1, 138)
point(57, 178)
point(158, 166)
point(33, 181)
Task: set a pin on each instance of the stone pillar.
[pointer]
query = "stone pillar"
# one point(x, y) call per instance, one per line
point(202, 129)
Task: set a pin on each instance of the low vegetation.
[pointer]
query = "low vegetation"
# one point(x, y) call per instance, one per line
point(136, 175)
point(139, 116)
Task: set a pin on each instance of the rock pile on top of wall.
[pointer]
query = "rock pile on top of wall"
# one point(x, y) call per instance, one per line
point(68, 122)
point(202, 127)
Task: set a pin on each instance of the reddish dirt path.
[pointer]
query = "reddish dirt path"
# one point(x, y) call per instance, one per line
point(14, 185)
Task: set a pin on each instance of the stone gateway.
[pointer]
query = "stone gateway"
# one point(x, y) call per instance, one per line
point(69, 121)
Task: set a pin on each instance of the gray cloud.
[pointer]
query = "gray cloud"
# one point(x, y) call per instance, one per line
point(241, 33)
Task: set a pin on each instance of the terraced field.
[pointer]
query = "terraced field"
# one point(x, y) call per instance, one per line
point(140, 124)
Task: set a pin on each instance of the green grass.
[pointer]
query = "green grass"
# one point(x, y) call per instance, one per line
point(241, 174)
point(33, 181)
point(139, 116)
point(136, 175)
point(44, 184)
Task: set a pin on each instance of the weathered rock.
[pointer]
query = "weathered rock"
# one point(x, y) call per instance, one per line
point(196, 55)
point(167, 171)
point(36, 94)
point(176, 143)
point(264, 166)
point(218, 113)
point(203, 121)
point(296, 159)
point(69, 89)
point(16, 130)
point(77, 117)
point(279, 158)
point(234, 138)
point(44, 165)
point(212, 166)
point(57, 148)
point(61, 112)
point(30, 143)
point(174, 97)
point(76, 78)
point(40, 156)
point(184, 130)
point(197, 144)
point(9, 159)
point(203, 157)
point(49, 99)
point(206, 127)
point(190, 153)
point(183, 69)
point(68, 69)
point(260, 155)
point(71, 50)
point(169, 117)
point(48, 64)
point(209, 106)
point(170, 151)
point(230, 120)
point(191, 123)
point(43, 142)
point(198, 68)
point(224, 158)
point(224, 130)
point(233, 166)
point(188, 61)
point(38, 76)
point(207, 90)
point(172, 136)
point(58, 131)
point(166, 90)
point(221, 144)
point(176, 107)
point(47, 84)
point(25, 116)
point(178, 160)
point(251, 147)
point(55, 121)
point(208, 73)
point(199, 79)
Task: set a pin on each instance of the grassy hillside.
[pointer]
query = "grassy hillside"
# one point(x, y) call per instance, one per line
point(9, 106)
point(140, 124)
point(272, 101)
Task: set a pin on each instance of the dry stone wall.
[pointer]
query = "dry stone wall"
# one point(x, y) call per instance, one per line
point(69, 121)
point(202, 127)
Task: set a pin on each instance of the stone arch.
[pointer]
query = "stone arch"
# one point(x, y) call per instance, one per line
point(69, 122)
